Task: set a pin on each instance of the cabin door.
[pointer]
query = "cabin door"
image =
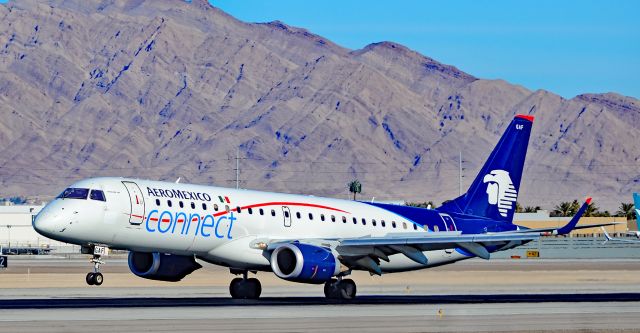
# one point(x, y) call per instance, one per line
point(137, 203)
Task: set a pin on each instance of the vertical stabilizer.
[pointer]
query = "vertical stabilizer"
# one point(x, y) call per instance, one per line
point(494, 192)
point(636, 203)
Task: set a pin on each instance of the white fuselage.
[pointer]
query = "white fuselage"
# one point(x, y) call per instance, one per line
point(220, 225)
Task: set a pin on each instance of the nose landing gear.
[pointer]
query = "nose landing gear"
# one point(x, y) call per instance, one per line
point(245, 288)
point(95, 278)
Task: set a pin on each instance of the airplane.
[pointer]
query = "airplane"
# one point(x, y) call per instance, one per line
point(636, 203)
point(636, 200)
point(171, 229)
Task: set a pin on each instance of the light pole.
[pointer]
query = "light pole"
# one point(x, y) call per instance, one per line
point(9, 232)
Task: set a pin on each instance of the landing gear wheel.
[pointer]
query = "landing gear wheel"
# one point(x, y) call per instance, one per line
point(89, 279)
point(245, 288)
point(347, 289)
point(98, 279)
point(233, 287)
point(340, 289)
point(330, 289)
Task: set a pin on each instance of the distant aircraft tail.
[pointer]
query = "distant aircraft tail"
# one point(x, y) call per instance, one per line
point(494, 192)
point(636, 201)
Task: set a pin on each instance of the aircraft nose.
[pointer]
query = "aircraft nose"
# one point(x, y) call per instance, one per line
point(46, 222)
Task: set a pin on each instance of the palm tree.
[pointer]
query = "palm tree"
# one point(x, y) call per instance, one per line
point(426, 204)
point(626, 210)
point(563, 209)
point(592, 210)
point(531, 209)
point(519, 208)
point(355, 187)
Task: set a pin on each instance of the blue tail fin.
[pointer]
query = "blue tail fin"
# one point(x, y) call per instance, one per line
point(636, 202)
point(494, 192)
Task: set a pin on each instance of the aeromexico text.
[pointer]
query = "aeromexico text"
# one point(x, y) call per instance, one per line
point(178, 194)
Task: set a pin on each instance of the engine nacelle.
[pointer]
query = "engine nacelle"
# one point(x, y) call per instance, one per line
point(304, 263)
point(162, 267)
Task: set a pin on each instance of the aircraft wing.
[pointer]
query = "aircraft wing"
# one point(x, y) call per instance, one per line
point(367, 252)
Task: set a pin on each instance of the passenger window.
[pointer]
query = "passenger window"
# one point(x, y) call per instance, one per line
point(204, 206)
point(250, 211)
point(415, 227)
point(226, 208)
point(383, 223)
point(298, 215)
point(404, 225)
point(393, 224)
point(286, 213)
point(261, 211)
point(322, 217)
point(157, 202)
point(273, 212)
point(436, 228)
point(215, 207)
point(310, 217)
point(344, 219)
point(355, 220)
point(373, 222)
point(364, 221)
point(238, 209)
point(181, 204)
point(333, 218)
point(169, 203)
point(425, 227)
point(193, 205)
point(97, 195)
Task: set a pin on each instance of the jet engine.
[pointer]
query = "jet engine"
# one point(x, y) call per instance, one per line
point(161, 266)
point(304, 263)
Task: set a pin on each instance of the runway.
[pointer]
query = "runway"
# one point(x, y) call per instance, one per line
point(475, 296)
point(150, 302)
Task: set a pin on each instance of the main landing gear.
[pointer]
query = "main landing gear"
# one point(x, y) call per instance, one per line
point(340, 289)
point(245, 288)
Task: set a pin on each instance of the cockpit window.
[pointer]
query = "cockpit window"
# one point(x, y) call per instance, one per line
point(74, 193)
point(97, 195)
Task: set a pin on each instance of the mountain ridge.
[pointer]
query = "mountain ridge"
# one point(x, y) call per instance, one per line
point(168, 89)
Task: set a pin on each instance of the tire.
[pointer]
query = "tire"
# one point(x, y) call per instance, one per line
point(347, 289)
point(89, 279)
point(234, 289)
point(330, 289)
point(98, 279)
point(253, 288)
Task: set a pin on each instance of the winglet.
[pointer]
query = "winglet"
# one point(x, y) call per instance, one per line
point(574, 221)
point(606, 234)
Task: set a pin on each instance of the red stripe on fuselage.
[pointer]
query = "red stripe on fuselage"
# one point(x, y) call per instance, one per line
point(282, 203)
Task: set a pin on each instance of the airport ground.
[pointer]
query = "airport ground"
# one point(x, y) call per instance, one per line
point(525, 295)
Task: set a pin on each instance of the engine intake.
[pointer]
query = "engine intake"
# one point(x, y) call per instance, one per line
point(161, 266)
point(304, 263)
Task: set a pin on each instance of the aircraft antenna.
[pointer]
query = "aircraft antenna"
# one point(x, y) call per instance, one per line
point(237, 168)
point(460, 173)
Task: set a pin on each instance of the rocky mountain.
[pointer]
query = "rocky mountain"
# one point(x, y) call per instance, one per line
point(166, 88)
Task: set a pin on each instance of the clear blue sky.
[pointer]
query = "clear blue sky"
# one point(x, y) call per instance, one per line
point(567, 47)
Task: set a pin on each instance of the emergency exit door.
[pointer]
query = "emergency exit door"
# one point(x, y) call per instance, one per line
point(137, 202)
point(286, 213)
